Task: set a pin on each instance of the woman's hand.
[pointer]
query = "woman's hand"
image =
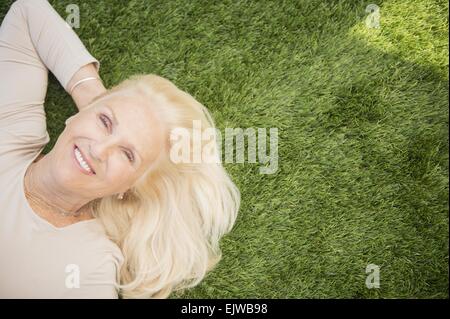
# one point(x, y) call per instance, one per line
point(85, 92)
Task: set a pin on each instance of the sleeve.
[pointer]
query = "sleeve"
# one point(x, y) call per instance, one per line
point(57, 45)
point(98, 279)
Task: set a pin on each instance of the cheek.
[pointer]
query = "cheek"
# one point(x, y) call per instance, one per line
point(118, 170)
point(88, 122)
point(82, 126)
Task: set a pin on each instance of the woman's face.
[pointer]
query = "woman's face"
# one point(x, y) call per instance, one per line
point(119, 137)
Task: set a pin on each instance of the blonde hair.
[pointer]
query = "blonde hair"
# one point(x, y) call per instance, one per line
point(169, 224)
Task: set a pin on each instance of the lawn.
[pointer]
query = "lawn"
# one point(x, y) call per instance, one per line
point(362, 118)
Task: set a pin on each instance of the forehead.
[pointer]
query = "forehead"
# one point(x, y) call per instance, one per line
point(137, 123)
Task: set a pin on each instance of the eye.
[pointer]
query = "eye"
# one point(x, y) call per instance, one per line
point(130, 156)
point(105, 120)
point(107, 123)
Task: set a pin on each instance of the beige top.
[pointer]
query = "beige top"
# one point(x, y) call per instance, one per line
point(37, 259)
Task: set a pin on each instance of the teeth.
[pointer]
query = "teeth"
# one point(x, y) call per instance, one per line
point(82, 161)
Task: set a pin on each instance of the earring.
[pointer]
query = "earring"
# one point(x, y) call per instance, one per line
point(120, 196)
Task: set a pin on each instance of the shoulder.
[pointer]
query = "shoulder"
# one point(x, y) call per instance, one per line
point(16, 151)
point(98, 267)
point(99, 248)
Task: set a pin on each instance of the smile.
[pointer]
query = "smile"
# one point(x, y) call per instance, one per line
point(82, 163)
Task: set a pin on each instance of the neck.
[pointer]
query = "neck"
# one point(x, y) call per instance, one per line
point(41, 184)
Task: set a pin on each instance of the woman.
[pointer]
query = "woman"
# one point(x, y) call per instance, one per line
point(106, 213)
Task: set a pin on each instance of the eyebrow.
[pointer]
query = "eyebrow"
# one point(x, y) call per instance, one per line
point(115, 122)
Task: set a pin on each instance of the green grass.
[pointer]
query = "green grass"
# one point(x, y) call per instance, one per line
point(362, 116)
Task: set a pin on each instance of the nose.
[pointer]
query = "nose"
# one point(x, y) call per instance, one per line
point(100, 150)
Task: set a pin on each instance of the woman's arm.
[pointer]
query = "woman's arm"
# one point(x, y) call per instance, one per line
point(41, 33)
point(85, 92)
